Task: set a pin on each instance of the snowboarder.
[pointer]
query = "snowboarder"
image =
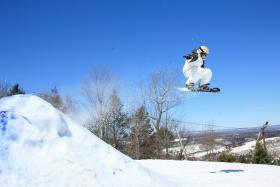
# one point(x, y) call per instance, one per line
point(195, 71)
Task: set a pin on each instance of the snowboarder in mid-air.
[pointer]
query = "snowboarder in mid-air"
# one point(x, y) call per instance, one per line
point(195, 71)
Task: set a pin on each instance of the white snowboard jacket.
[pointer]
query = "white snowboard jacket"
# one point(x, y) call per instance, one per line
point(192, 62)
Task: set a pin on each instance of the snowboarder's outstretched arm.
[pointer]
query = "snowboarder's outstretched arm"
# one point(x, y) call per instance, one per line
point(191, 57)
point(192, 61)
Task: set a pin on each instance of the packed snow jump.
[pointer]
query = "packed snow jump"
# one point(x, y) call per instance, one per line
point(195, 72)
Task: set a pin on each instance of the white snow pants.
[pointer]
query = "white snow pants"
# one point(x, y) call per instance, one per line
point(196, 74)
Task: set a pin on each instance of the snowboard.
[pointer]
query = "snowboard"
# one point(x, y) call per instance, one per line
point(199, 90)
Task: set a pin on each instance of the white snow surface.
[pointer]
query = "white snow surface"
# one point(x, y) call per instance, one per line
point(216, 174)
point(40, 146)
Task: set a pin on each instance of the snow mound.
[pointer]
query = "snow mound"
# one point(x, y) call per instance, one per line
point(40, 146)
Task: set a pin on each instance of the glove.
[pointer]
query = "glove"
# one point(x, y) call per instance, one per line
point(188, 57)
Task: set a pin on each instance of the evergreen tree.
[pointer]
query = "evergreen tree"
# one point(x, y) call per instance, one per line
point(140, 132)
point(15, 89)
point(166, 136)
point(226, 157)
point(261, 155)
point(116, 122)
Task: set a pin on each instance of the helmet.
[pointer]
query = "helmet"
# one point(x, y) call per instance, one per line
point(204, 49)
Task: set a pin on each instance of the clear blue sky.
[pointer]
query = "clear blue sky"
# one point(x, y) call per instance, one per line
point(48, 43)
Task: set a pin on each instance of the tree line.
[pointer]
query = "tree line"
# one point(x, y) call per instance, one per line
point(143, 131)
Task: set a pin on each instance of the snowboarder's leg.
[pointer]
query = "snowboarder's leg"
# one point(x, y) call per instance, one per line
point(206, 75)
point(193, 77)
point(190, 86)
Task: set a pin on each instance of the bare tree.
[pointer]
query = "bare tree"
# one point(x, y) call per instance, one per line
point(162, 96)
point(4, 89)
point(97, 89)
point(261, 137)
point(185, 137)
point(70, 105)
point(65, 104)
point(261, 155)
point(166, 134)
point(53, 97)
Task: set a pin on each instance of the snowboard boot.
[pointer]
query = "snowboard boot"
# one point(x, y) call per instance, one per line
point(204, 87)
point(190, 86)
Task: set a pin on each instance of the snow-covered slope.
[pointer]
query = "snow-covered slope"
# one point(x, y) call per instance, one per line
point(273, 145)
point(216, 174)
point(198, 151)
point(40, 146)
